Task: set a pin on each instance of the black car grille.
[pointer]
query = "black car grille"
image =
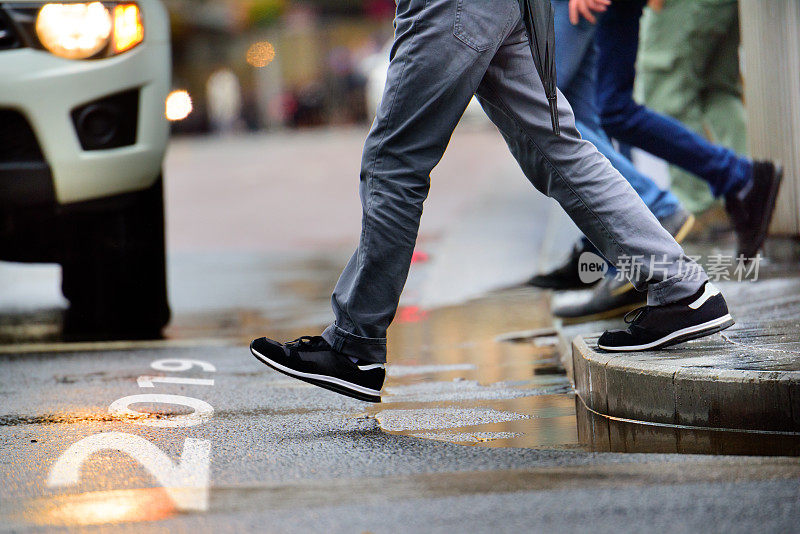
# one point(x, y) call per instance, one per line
point(17, 141)
point(8, 35)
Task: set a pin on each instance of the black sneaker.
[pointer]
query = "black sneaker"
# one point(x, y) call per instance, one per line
point(312, 360)
point(610, 298)
point(679, 224)
point(751, 208)
point(655, 327)
point(565, 276)
point(613, 297)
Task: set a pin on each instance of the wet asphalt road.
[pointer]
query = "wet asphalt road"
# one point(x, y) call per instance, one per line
point(262, 452)
point(475, 433)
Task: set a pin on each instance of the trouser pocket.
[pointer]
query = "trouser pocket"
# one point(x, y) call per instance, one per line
point(481, 24)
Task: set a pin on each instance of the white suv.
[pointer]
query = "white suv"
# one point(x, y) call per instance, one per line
point(82, 140)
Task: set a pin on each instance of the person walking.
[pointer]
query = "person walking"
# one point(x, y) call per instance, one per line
point(750, 202)
point(688, 69)
point(750, 188)
point(446, 51)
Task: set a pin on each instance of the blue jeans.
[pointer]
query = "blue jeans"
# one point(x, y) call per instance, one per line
point(576, 65)
point(622, 118)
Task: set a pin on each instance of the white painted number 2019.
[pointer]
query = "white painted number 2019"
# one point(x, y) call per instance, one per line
point(187, 481)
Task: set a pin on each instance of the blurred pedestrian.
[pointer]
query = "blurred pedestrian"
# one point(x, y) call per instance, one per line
point(224, 100)
point(688, 68)
point(750, 205)
point(749, 187)
point(444, 53)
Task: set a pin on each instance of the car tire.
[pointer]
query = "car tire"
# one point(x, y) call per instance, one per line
point(114, 269)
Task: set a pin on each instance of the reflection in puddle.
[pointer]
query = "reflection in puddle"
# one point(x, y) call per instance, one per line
point(405, 370)
point(461, 389)
point(603, 433)
point(457, 375)
point(102, 507)
point(546, 421)
point(433, 418)
point(537, 336)
point(468, 437)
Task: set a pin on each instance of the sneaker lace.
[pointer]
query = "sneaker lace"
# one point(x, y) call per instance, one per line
point(635, 314)
point(306, 341)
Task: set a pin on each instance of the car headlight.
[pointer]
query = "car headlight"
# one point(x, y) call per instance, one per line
point(74, 31)
point(89, 30)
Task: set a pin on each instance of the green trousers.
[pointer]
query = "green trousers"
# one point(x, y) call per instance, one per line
point(688, 68)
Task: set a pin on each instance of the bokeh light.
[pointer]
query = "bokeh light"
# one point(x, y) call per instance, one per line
point(179, 105)
point(260, 54)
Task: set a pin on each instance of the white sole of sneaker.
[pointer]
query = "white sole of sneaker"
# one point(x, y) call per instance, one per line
point(314, 378)
point(679, 336)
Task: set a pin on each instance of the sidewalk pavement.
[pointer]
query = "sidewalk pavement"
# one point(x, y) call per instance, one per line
point(734, 392)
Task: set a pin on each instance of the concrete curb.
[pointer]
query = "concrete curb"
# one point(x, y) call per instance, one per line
point(700, 387)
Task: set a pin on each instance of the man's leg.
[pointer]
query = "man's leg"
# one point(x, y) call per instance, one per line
point(682, 304)
point(624, 119)
point(571, 170)
point(614, 296)
point(576, 64)
point(750, 188)
point(440, 54)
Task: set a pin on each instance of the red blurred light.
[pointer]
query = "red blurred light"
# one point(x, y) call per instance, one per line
point(410, 314)
point(419, 257)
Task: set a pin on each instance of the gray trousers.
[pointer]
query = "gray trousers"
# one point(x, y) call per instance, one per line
point(445, 51)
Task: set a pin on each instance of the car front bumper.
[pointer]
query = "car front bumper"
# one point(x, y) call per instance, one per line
point(45, 89)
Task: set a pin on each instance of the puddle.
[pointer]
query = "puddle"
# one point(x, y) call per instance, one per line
point(436, 418)
point(531, 336)
point(479, 374)
point(468, 437)
point(395, 370)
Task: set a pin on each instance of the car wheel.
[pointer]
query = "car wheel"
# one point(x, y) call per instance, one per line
point(114, 269)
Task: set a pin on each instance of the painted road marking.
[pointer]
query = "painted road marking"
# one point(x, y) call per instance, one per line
point(187, 482)
point(181, 364)
point(147, 381)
